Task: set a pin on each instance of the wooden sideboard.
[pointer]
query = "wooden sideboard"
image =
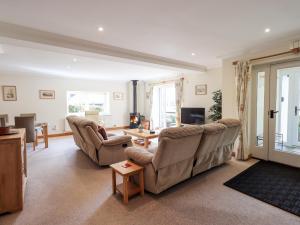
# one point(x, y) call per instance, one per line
point(13, 171)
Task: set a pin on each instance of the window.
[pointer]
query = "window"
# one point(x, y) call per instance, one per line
point(260, 108)
point(80, 101)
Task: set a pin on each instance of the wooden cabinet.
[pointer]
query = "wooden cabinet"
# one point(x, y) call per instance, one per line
point(13, 171)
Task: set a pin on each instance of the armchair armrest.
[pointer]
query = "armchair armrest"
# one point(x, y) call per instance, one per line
point(117, 140)
point(139, 155)
point(110, 135)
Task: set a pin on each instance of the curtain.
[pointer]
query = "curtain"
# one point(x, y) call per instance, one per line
point(179, 99)
point(151, 105)
point(242, 75)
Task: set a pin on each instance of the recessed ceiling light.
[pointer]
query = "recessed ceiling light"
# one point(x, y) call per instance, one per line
point(267, 30)
point(100, 29)
point(193, 54)
point(75, 60)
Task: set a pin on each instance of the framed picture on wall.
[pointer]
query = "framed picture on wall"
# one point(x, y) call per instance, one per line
point(47, 94)
point(118, 96)
point(201, 89)
point(9, 93)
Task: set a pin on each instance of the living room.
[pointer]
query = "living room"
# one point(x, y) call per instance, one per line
point(154, 112)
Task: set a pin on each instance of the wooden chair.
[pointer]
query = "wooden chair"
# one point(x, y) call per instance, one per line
point(3, 120)
point(94, 116)
point(29, 115)
point(146, 124)
point(37, 126)
point(28, 124)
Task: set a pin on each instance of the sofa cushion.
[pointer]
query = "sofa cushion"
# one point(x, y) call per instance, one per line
point(230, 122)
point(102, 132)
point(176, 144)
point(180, 132)
point(213, 128)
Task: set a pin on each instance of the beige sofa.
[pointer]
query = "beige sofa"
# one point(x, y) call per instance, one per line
point(87, 138)
point(184, 152)
point(172, 161)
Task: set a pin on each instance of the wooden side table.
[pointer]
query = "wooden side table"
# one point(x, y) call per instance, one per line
point(127, 188)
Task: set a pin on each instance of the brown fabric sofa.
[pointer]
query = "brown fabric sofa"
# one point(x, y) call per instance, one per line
point(184, 152)
point(87, 138)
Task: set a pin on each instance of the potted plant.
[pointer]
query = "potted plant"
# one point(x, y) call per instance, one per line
point(216, 109)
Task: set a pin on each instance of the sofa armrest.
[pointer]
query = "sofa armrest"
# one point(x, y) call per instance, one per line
point(117, 140)
point(139, 155)
point(110, 135)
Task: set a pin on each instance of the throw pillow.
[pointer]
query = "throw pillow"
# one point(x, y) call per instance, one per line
point(102, 132)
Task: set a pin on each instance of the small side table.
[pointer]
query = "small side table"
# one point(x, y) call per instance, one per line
point(127, 188)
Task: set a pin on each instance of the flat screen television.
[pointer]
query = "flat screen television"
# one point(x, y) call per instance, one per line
point(193, 115)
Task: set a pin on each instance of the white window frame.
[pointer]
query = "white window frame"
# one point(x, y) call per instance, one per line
point(106, 112)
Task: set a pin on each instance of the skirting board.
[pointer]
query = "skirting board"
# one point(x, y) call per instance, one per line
point(70, 133)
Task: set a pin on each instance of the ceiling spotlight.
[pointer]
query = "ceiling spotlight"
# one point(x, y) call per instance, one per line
point(193, 54)
point(267, 30)
point(75, 60)
point(100, 29)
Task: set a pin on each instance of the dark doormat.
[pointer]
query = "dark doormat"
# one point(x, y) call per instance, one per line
point(273, 183)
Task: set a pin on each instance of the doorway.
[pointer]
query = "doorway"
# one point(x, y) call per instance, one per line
point(276, 114)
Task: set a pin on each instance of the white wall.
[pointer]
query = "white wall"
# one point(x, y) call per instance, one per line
point(213, 79)
point(54, 111)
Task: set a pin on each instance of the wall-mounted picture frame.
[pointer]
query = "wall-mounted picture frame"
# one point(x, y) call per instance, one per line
point(118, 96)
point(9, 93)
point(201, 89)
point(47, 94)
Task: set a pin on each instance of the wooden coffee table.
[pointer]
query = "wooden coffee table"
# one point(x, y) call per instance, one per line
point(127, 188)
point(144, 135)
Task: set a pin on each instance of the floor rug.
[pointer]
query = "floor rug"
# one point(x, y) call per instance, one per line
point(273, 183)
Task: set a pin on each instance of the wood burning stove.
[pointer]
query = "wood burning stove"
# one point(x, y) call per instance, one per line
point(134, 121)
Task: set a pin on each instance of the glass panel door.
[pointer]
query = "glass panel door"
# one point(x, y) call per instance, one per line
point(284, 114)
point(259, 112)
point(164, 106)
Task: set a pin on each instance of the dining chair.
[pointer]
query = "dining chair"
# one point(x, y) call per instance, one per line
point(3, 120)
point(94, 116)
point(146, 124)
point(37, 126)
point(28, 124)
point(28, 115)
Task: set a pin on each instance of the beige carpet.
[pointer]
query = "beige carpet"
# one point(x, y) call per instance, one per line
point(65, 187)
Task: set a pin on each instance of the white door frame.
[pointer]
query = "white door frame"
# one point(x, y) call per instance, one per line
point(266, 150)
point(273, 155)
point(260, 152)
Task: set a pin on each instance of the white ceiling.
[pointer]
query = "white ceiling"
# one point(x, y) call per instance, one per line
point(212, 29)
point(45, 60)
